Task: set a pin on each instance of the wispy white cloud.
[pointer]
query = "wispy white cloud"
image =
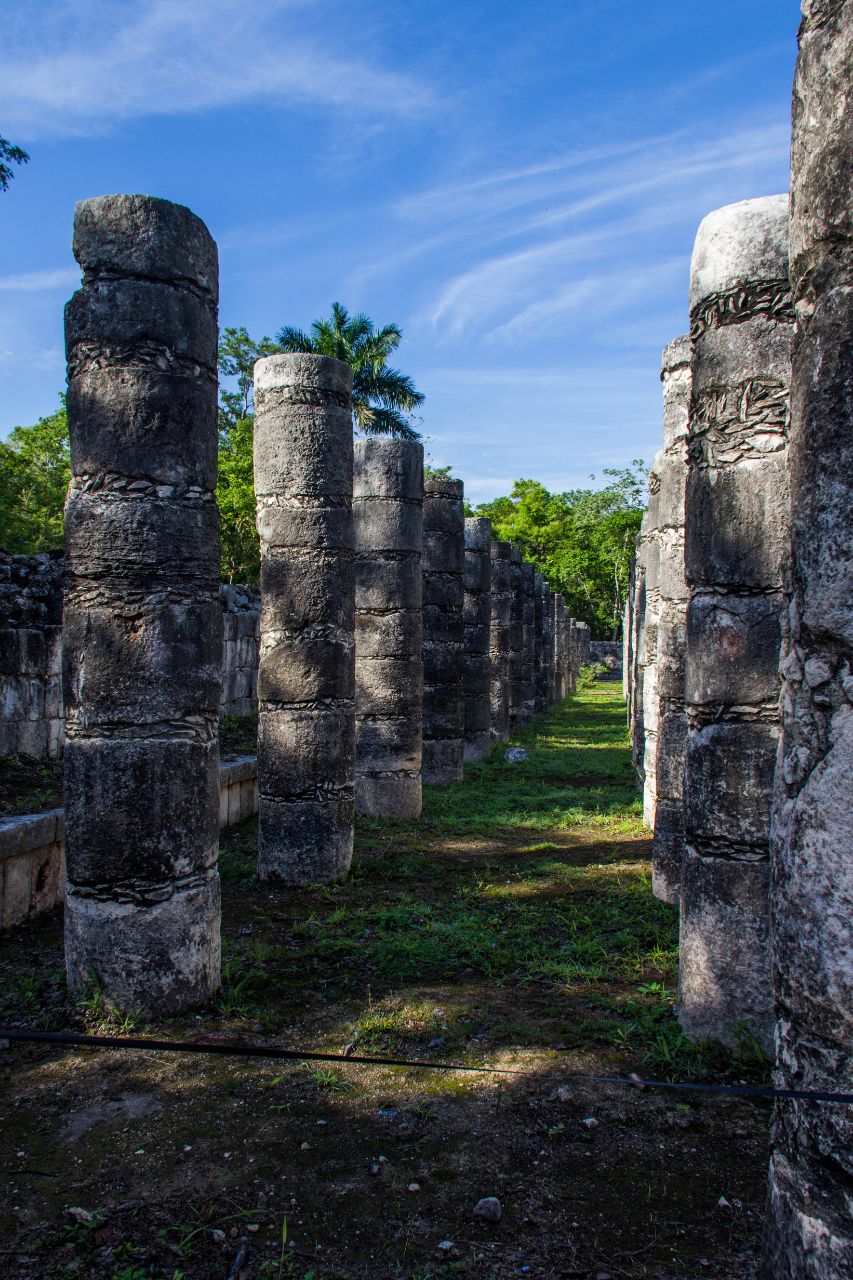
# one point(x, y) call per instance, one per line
point(39, 281)
point(78, 68)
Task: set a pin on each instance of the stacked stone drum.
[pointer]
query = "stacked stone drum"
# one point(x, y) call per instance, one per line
point(478, 667)
point(444, 630)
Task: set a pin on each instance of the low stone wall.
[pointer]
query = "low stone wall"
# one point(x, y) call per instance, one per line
point(32, 846)
point(32, 721)
point(607, 653)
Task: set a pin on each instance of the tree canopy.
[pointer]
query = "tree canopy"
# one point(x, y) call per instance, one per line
point(35, 468)
point(383, 398)
point(581, 540)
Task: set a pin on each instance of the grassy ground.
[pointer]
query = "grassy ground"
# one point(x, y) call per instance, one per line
point(513, 925)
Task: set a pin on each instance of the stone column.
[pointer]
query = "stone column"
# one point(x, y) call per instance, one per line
point(142, 624)
point(809, 1232)
point(671, 639)
point(528, 676)
point(650, 533)
point(736, 560)
point(306, 674)
point(638, 618)
point(478, 666)
point(387, 514)
point(573, 655)
point(516, 643)
point(548, 646)
point(560, 648)
point(444, 631)
point(500, 603)
point(539, 687)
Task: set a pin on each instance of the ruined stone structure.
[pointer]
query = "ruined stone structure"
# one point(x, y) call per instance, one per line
point(477, 665)
point(142, 623)
point(516, 642)
point(672, 592)
point(540, 696)
point(528, 669)
point(444, 630)
point(500, 603)
point(809, 1231)
point(736, 560)
point(647, 648)
point(389, 675)
point(547, 678)
point(559, 623)
point(306, 678)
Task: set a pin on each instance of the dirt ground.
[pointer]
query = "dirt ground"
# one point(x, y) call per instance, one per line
point(470, 937)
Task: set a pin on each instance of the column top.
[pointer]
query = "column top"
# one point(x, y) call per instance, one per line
point(739, 244)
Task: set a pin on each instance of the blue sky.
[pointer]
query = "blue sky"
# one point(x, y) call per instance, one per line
point(518, 186)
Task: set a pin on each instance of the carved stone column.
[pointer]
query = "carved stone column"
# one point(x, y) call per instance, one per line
point(528, 677)
point(387, 509)
point(516, 643)
point(809, 1233)
point(539, 684)
point(444, 631)
point(672, 625)
point(478, 666)
point(306, 675)
point(548, 646)
point(737, 564)
point(500, 602)
point(142, 623)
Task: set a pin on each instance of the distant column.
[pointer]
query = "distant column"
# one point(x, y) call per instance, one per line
point(548, 646)
point(500, 600)
point(478, 667)
point(388, 530)
point(539, 683)
point(528, 677)
point(672, 623)
point(650, 532)
point(306, 674)
point(809, 1227)
point(516, 643)
point(142, 623)
point(736, 559)
point(560, 647)
point(444, 630)
point(638, 619)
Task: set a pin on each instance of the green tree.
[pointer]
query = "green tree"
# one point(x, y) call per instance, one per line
point(383, 398)
point(9, 155)
point(237, 356)
point(581, 540)
point(35, 468)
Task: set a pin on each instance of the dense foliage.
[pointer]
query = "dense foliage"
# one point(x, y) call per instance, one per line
point(35, 468)
point(9, 155)
point(581, 540)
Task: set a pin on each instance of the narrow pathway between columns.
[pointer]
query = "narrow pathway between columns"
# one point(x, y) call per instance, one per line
point(513, 924)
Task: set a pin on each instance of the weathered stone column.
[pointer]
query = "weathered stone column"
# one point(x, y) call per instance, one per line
point(809, 1232)
point(500, 603)
point(736, 560)
point(573, 654)
point(516, 643)
point(306, 675)
point(672, 622)
point(528, 677)
point(650, 533)
point(637, 646)
point(560, 648)
point(478, 666)
point(539, 685)
point(444, 631)
point(548, 646)
point(142, 623)
point(387, 511)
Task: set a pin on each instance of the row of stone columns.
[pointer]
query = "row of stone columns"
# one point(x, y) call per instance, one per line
point(741, 601)
point(397, 639)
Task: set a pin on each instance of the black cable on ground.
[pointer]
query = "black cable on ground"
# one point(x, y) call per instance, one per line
point(235, 1049)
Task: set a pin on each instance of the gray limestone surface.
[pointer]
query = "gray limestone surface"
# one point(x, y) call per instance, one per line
point(500, 605)
point(671, 735)
point(809, 1226)
point(516, 642)
point(388, 533)
point(477, 663)
point(142, 623)
point(444, 630)
point(528, 662)
point(737, 566)
point(540, 687)
point(306, 674)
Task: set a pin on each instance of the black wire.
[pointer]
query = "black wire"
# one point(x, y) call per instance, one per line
point(237, 1050)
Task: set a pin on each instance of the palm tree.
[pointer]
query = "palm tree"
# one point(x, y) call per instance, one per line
point(382, 397)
